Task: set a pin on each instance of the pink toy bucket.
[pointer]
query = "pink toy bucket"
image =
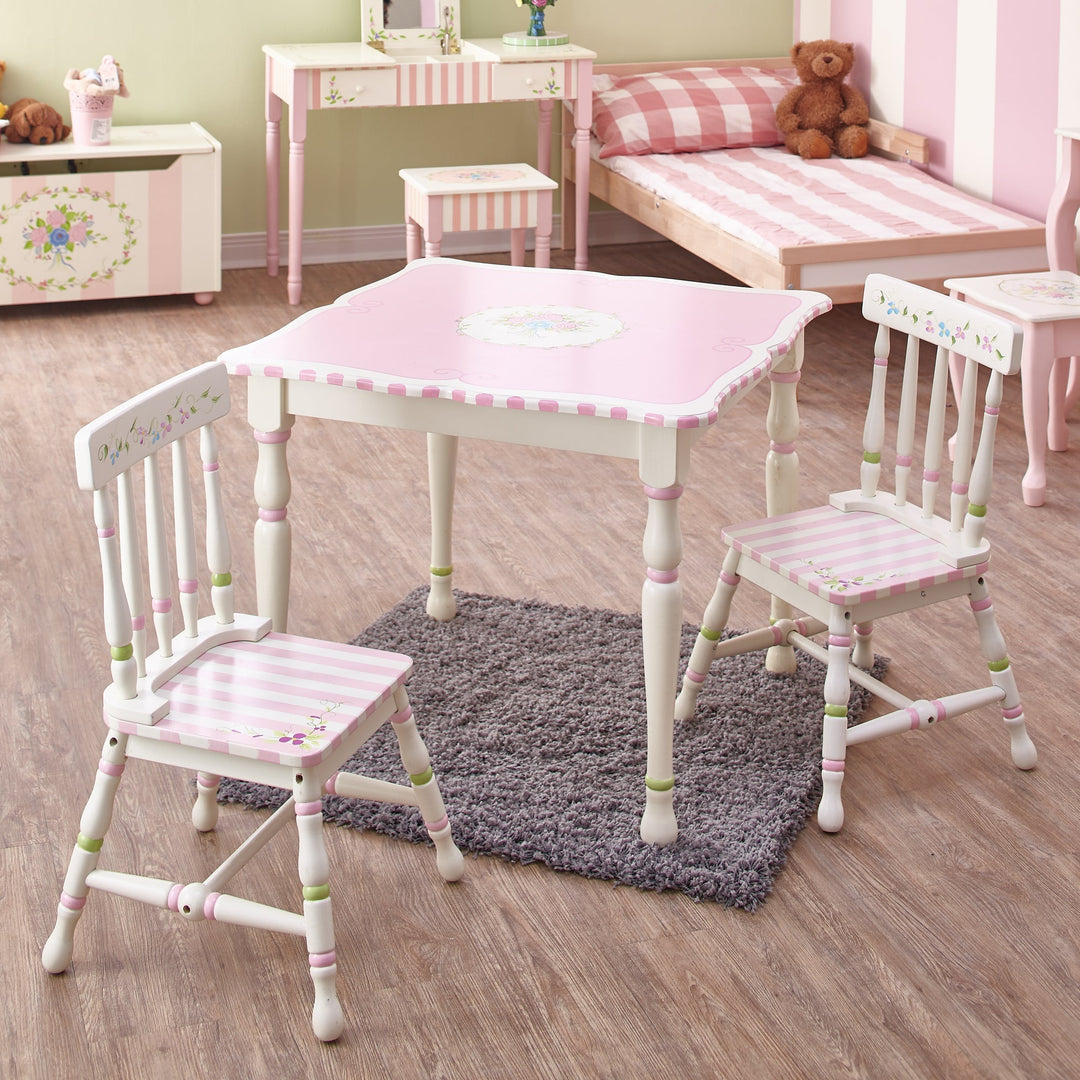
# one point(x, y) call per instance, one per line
point(91, 119)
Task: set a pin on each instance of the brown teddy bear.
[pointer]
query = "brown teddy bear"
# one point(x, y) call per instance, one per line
point(823, 113)
point(35, 122)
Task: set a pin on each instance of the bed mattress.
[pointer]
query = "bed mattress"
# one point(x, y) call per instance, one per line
point(772, 200)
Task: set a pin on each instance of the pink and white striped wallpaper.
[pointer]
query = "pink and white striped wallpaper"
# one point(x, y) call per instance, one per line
point(987, 80)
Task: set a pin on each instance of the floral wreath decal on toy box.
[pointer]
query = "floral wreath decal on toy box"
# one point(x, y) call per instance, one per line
point(54, 235)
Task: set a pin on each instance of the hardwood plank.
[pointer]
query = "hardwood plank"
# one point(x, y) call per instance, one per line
point(935, 936)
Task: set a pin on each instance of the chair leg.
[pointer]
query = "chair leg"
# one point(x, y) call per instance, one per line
point(863, 654)
point(712, 626)
point(830, 814)
point(327, 1020)
point(56, 954)
point(204, 814)
point(1001, 674)
point(417, 762)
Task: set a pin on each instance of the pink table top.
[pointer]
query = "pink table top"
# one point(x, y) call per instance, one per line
point(649, 350)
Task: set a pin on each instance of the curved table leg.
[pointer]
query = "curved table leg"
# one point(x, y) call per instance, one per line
point(782, 472)
point(273, 531)
point(442, 471)
point(661, 628)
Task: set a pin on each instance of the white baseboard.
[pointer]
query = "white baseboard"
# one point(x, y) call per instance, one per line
point(240, 251)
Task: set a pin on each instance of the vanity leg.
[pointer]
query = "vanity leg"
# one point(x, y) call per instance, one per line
point(273, 167)
point(442, 471)
point(661, 630)
point(543, 135)
point(782, 472)
point(297, 135)
point(582, 123)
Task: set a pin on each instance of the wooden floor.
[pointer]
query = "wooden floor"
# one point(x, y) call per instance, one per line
point(937, 936)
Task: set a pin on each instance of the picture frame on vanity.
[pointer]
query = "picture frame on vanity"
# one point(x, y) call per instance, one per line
point(412, 26)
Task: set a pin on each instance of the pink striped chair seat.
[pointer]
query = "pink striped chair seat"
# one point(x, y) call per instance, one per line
point(856, 556)
point(286, 699)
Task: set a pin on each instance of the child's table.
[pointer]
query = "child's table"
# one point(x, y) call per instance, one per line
point(630, 367)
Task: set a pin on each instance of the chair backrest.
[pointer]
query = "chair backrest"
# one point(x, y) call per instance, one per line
point(975, 339)
point(107, 451)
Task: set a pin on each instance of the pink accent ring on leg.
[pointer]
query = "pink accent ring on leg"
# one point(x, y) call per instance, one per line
point(272, 515)
point(662, 577)
point(72, 903)
point(271, 437)
point(437, 826)
point(322, 959)
point(695, 676)
point(401, 717)
point(663, 493)
point(829, 765)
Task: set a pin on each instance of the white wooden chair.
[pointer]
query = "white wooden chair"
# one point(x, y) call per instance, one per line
point(870, 553)
point(223, 695)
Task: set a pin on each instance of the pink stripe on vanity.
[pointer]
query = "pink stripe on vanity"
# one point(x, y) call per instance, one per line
point(165, 231)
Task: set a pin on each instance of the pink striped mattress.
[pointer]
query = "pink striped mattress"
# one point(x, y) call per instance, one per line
point(772, 199)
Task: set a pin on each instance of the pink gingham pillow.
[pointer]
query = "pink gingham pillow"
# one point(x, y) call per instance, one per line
point(688, 109)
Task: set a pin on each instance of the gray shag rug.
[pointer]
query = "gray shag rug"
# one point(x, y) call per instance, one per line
point(535, 719)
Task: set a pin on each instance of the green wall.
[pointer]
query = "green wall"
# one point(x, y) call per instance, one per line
point(197, 60)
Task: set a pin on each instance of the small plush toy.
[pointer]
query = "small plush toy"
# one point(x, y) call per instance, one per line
point(35, 122)
point(823, 113)
point(3, 107)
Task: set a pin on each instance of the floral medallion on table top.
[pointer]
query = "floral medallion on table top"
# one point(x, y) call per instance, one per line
point(541, 327)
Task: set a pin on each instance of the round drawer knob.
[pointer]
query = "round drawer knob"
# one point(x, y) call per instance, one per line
point(529, 82)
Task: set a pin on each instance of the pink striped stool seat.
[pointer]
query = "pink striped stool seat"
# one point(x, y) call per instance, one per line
point(857, 556)
point(285, 699)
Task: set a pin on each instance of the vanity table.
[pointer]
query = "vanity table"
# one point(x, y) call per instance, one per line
point(426, 65)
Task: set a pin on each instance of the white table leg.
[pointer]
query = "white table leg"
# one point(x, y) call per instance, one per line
point(661, 629)
point(782, 472)
point(442, 472)
point(273, 487)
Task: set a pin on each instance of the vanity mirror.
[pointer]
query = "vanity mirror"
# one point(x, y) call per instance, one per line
point(412, 26)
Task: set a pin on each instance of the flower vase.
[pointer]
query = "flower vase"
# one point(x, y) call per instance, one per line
point(537, 33)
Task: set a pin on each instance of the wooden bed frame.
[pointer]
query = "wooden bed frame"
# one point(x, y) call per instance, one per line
point(836, 269)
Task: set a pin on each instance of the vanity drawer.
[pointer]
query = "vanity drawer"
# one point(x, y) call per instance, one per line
point(357, 88)
point(515, 82)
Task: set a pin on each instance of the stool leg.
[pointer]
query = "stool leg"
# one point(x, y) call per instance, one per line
point(517, 247)
point(434, 230)
point(542, 253)
point(412, 240)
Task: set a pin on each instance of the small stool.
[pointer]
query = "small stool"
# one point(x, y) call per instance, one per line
point(1047, 306)
point(471, 198)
